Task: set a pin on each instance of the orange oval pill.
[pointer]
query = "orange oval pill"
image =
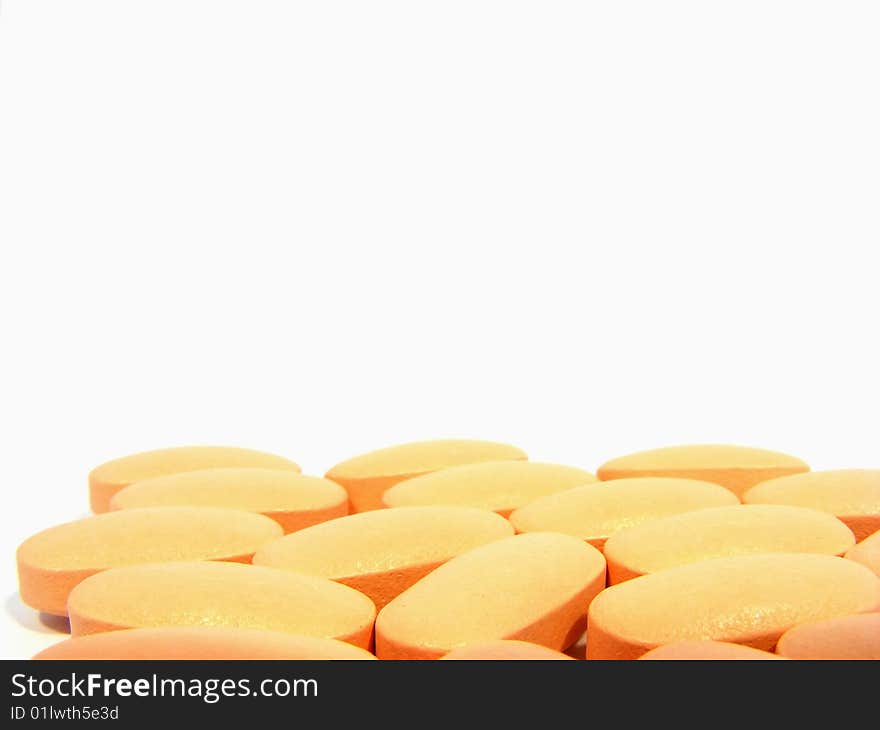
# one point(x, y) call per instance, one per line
point(845, 637)
point(533, 587)
point(291, 499)
point(505, 649)
point(708, 650)
point(220, 594)
point(500, 486)
point(734, 467)
point(867, 552)
point(108, 478)
point(749, 599)
point(853, 495)
point(366, 477)
point(201, 643)
point(596, 511)
point(383, 552)
point(723, 532)
point(53, 561)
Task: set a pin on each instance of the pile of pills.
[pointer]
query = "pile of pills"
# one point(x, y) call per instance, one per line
point(457, 549)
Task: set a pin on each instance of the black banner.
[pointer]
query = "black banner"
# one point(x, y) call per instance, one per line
point(408, 694)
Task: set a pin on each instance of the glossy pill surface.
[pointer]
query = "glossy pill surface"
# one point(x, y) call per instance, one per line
point(846, 637)
point(383, 552)
point(498, 486)
point(291, 499)
point(534, 587)
point(750, 600)
point(108, 478)
point(853, 495)
point(723, 532)
point(220, 594)
point(53, 561)
point(200, 643)
point(734, 467)
point(368, 476)
point(596, 511)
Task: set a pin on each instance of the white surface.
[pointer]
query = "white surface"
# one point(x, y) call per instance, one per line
point(322, 227)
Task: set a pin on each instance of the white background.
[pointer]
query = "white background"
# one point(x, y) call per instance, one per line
point(318, 228)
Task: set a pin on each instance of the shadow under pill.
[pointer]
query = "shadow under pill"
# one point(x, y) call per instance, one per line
point(44, 623)
point(578, 650)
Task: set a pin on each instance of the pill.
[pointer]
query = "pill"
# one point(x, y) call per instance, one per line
point(505, 649)
point(722, 650)
point(595, 511)
point(366, 477)
point(734, 467)
point(108, 478)
point(500, 486)
point(53, 561)
point(844, 637)
point(291, 499)
point(383, 552)
point(201, 643)
point(853, 495)
point(867, 552)
point(750, 599)
point(534, 587)
point(220, 594)
point(723, 532)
